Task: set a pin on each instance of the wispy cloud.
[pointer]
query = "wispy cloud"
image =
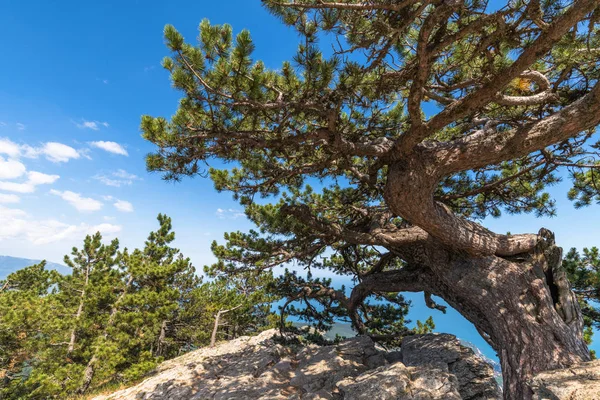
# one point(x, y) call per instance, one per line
point(17, 224)
point(58, 152)
point(52, 151)
point(20, 126)
point(77, 201)
point(93, 125)
point(117, 179)
point(123, 206)
point(11, 169)
point(9, 198)
point(111, 147)
point(9, 148)
point(230, 213)
point(34, 179)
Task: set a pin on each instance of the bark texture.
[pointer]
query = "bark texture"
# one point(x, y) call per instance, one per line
point(522, 306)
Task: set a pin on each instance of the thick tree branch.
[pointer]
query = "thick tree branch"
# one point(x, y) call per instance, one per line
point(483, 148)
point(376, 237)
point(366, 6)
point(479, 98)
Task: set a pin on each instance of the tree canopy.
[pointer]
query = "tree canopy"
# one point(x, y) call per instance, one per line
point(115, 316)
point(394, 130)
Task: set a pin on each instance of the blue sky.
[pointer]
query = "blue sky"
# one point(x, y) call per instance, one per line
point(77, 75)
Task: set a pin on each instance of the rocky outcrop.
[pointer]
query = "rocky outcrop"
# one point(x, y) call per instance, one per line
point(475, 376)
point(579, 382)
point(397, 381)
point(429, 367)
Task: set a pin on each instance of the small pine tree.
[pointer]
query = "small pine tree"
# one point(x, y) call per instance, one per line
point(583, 271)
point(25, 315)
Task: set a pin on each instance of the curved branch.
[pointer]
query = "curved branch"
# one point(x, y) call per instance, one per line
point(482, 148)
point(375, 237)
point(539, 98)
point(429, 302)
point(488, 91)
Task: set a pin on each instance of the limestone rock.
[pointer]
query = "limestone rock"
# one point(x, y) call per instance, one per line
point(579, 382)
point(475, 376)
point(260, 368)
point(400, 382)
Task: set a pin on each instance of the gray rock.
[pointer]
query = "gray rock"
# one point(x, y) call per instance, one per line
point(398, 382)
point(579, 382)
point(259, 368)
point(475, 376)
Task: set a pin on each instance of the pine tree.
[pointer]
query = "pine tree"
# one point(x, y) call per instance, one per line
point(423, 119)
point(143, 319)
point(26, 308)
point(583, 271)
point(82, 304)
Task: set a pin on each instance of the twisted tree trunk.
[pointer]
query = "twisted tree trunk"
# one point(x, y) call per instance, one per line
point(522, 306)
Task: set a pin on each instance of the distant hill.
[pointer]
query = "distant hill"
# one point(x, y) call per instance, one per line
point(11, 264)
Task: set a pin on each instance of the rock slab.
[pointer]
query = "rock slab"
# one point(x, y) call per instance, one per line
point(429, 367)
point(579, 382)
point(475, 376)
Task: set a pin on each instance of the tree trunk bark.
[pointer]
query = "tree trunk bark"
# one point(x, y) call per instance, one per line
point(213, 337)
point(523, 307)
point(90, 368)
point(73, 336)
point(161, 338)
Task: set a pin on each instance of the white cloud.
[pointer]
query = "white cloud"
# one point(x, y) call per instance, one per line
point(20, 126)
point(39, 178)
point(58, 152)
point(17, 224)
point(34, 179)
point(11, 169)
point(9, 198)
point(111, 147)
point(80, 203)
point(9, 148)
point(2, 123)
point(88, 124)
point(230, 213)
point(123, 206)
point(93, 125)
point(124, 178)
point(17, 187)
point(53, 151)
point(121, 173)
point(111, 182)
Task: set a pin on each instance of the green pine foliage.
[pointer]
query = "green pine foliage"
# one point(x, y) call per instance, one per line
point(584, 274)
point(115, 316)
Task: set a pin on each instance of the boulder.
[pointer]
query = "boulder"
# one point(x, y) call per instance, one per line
point(475, 376)
point(260, 368)
point(579, 382)
point(400, 382)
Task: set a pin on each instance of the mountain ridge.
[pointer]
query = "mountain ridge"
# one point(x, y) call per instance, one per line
point(9, 264)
